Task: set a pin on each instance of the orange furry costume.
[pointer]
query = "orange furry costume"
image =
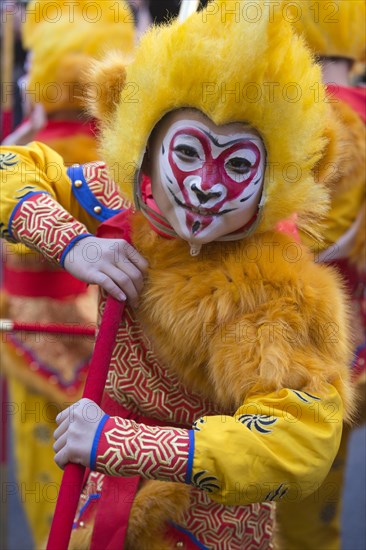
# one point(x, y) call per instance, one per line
point(235, 339)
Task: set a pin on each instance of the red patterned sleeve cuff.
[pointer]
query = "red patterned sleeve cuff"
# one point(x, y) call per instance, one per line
point(125, 448)
point(41, 223)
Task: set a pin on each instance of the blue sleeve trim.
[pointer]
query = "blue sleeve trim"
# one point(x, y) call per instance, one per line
point(15, 210)
point(98, 433)
point(192, 537)
point(86, 198)
point(190, 457)
point(71, 244)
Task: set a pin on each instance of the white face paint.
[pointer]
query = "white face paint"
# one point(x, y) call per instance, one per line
point(207, 180)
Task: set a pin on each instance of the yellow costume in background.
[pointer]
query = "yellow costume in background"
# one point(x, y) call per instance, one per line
point(336, 30)
point(44, 372)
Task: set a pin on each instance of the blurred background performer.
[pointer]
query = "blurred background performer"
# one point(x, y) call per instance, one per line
point(61, 38)
point(45, 372)
point(7, 36)
point(335, 31)
point(13, 58)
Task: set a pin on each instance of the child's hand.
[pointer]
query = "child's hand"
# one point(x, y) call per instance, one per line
point(74, 436)
point(112, 264)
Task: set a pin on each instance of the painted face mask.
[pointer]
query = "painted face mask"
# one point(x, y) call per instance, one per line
point(209, 179)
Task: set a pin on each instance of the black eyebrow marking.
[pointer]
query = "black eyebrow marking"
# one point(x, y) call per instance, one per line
point(216, 142)
point(162, 148)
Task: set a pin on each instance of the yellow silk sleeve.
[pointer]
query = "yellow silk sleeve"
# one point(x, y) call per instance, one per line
point(36, 168)
point(276, 446)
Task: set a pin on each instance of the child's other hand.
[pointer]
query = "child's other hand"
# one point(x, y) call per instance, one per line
point(77, 426)
point(112, 264)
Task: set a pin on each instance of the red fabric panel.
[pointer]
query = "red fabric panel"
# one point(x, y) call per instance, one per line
point(114, 508)
point(59, 129)
point(58, 285)
point(355, 97)
point(6, 124)
point(117, 227)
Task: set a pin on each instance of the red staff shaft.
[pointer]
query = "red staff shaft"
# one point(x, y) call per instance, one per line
point(7, 325)
point(72, 479)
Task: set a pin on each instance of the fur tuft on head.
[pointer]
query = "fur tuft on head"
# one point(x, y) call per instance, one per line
point(104, 82)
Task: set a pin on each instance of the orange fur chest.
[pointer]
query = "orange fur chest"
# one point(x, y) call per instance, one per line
point(239, 317)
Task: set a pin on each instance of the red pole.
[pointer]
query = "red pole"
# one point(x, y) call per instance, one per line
point(72, 479)
point(7, 325)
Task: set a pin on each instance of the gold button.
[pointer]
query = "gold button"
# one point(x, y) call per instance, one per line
point(82, 524)
point(78, 183)
point(97, 209)
point(180, 544)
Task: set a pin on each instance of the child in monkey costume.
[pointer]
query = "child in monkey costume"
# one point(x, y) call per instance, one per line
point(46, 372)
point(336, 34)
point(227, 387)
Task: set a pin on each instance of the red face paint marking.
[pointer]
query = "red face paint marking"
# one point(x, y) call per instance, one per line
point(213, 171)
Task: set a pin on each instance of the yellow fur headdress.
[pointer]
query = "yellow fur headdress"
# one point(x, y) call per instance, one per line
point(331, 29)
point(233, 65)
point(63, 36)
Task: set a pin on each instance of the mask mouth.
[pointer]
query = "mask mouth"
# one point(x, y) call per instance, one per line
point(199, 210)
point(143, 201)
